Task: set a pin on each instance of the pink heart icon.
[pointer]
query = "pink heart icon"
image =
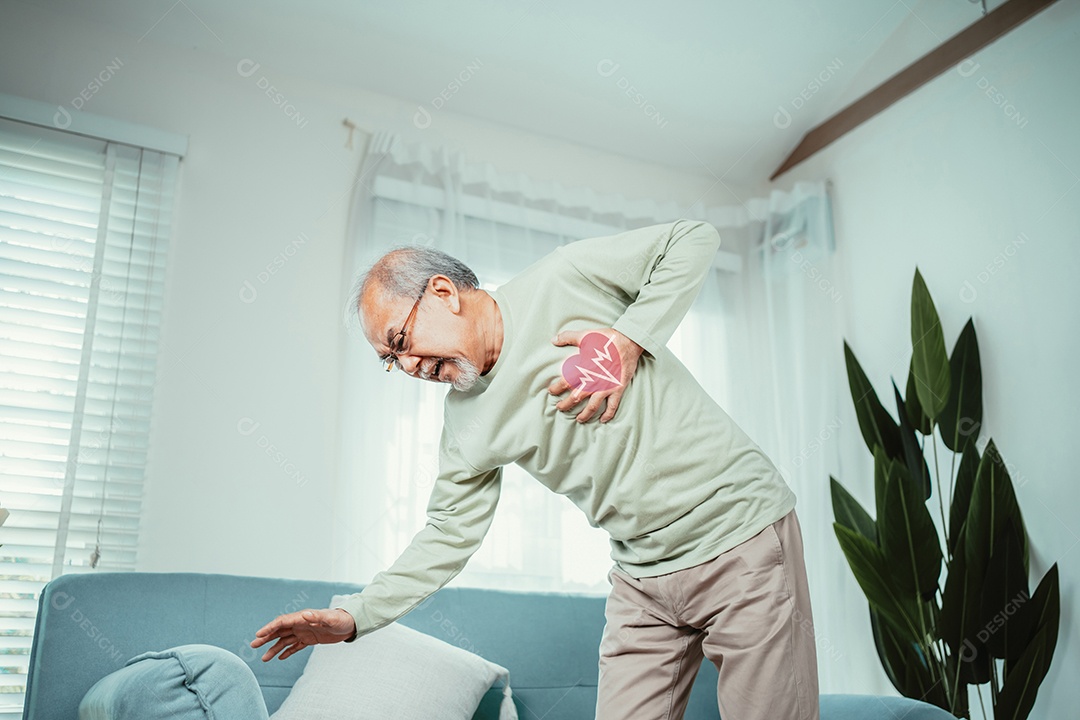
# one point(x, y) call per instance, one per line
point(596, 366)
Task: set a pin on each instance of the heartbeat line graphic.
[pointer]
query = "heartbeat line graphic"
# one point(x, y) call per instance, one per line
point(597, 366)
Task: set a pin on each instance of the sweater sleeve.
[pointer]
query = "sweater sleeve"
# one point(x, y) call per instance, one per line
point(460, 510)
point(656, 271)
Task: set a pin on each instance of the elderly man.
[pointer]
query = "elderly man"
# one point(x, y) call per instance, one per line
point(706, 546)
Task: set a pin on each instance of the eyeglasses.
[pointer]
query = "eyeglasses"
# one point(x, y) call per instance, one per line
point(397, 344)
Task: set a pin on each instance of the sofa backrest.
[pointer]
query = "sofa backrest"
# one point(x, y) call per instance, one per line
point(89, 624)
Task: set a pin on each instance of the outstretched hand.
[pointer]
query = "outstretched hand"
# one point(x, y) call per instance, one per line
point(296, 631)
point(592, 383)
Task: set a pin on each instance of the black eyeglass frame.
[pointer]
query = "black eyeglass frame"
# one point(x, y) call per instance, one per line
point(397, 343)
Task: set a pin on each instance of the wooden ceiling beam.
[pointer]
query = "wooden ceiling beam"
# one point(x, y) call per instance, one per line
point(957, 48)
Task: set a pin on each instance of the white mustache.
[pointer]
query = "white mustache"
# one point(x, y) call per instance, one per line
point(466, 377)
point(427, 374)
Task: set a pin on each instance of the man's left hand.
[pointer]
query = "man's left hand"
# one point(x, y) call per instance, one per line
point(629, 352)
point(298, 630)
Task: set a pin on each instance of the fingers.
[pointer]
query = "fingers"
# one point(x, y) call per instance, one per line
point(280, 626)
point(277, 648)
point(297, 647)
point(568, 337)
point(266, 633)
point(287, 645)
point(612, 406)
point(559, 386)
point(591, 408)
point(274, 650)
point(569, 402)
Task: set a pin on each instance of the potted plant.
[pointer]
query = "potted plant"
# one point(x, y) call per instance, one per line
point(949, 606)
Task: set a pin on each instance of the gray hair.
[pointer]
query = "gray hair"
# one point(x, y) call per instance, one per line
point(405, 270)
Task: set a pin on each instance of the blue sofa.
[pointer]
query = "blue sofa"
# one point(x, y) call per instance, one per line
point(89, 625)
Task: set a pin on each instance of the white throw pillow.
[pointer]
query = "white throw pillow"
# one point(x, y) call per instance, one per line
point(393, 672)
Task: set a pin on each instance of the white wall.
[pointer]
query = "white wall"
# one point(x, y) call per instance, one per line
point(258, 186)
point(987, 206)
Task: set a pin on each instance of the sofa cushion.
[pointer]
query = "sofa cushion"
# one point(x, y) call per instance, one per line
point(867, 707)
point(393, 672)
point(187, 682)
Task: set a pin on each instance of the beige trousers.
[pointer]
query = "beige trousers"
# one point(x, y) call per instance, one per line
point(747, 611)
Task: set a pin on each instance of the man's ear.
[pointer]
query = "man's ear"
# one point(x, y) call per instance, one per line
point(447, 292)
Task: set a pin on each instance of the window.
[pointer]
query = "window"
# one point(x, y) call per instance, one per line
point(84, 225)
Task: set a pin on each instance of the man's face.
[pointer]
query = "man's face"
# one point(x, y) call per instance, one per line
point(436, 346)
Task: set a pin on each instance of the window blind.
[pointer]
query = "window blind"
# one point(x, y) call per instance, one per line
point(84, 225)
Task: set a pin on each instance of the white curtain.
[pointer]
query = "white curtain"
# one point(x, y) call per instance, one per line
point(762, 339)
point(787, 387)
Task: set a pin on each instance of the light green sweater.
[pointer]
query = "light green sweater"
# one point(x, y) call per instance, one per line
point(671, 478)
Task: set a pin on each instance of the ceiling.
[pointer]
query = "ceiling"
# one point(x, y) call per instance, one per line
point(702, 87)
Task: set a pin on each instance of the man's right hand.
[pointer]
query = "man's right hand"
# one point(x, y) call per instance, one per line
point(296, 631)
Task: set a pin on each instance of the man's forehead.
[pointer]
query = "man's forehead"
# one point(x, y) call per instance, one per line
point(376, 317)
point(380, 334)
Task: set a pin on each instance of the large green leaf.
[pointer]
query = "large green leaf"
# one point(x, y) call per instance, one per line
point(1004, 628)
point(954, 603)
point(904, 665)
point(875, 423)
point(1047, 604)
point(929, 360)
point(892, 653)
point(915, 413)
point(848, 512)
point(913, 453)
point(993, 504)
point(961, 498)
point(961, 419)
point(958, 622)
point(1021, 685)
point(1044, 611)
point(908, 537)
point(875, 578)
point(882, 465)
